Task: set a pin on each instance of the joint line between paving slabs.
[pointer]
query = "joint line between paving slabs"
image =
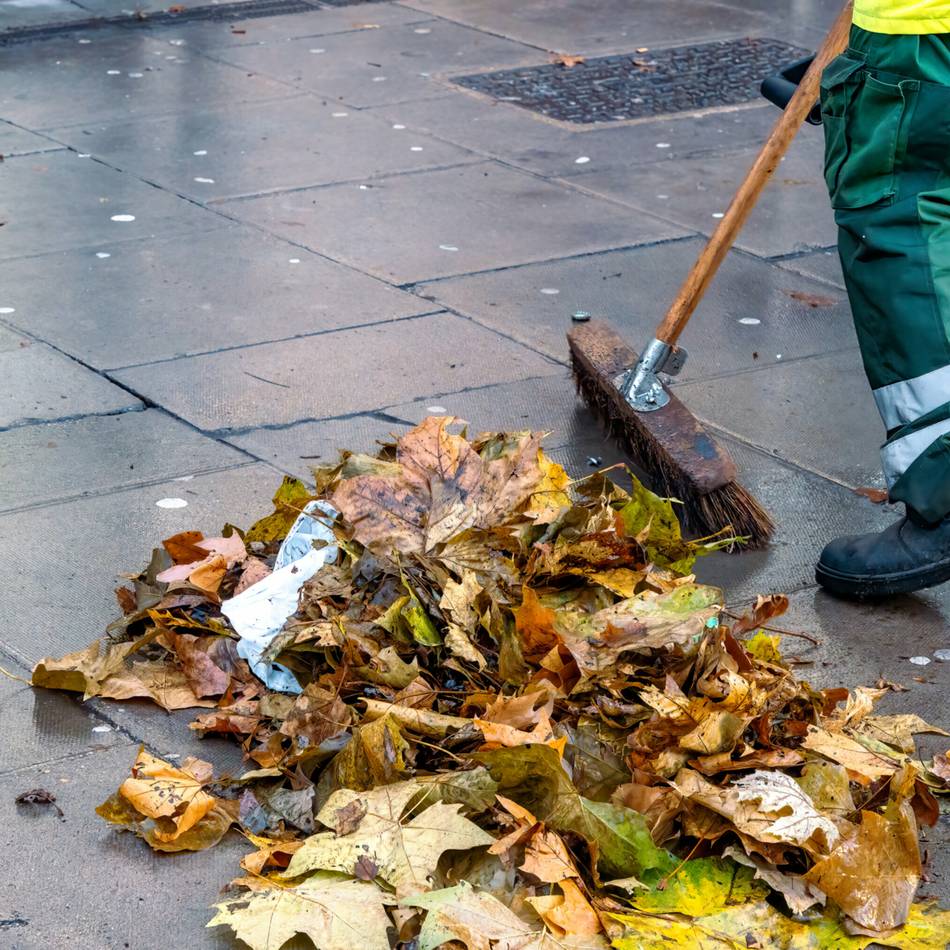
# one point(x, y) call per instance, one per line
point(143, 483)
point(222, 215)
point(80, 754)
point(413, 285)
point(76, 417)
point(477, 29)
point(283, 339)
point(379, 414)
point(511, 339)
point(781, 459)
point(213, 203)
point(684, 385)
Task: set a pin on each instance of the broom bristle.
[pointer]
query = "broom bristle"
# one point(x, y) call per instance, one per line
point(703, 512)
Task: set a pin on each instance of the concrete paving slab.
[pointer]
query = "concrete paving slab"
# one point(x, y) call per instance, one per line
point(63, 582)
point(58, 200)
point(334, 374)
point(751, 314)
point(792, 215)
point(797, 411)
point(529, 140)
point(115, 73)
point(808, 510)
point(822, 265)
point(296, 449)
point(156, 299)
point(396, 63)
point(63, 587)
point(597, 28)
point(17, 14)
point(89, 885)
point(862, 642)
point(44, 726)
point(817, 15)
point(16, 141)
point(11, 341)
point(37, 384)
point(466, 219)
point(547, 404)
point(96, 455)
point(134, 8)
point(253, 148)
point(167, 733)
point(544, 404)
point(253, 31)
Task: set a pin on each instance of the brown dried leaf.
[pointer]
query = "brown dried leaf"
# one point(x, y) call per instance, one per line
point(774, 605)
point(567, 60)
point(873, 874)
point(877, 496)
point(173, 797)
point(204, 676)
point(317, 715)
point(863, 765)
point(812, 300)
point(439, 488)
point(183, 547)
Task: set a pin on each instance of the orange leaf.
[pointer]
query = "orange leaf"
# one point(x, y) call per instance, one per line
point(535, 626)
point(183, 547)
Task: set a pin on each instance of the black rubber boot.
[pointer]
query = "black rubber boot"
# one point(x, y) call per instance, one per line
point(907, 556)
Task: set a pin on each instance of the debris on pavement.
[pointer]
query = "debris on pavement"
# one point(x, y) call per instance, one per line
point(39, 796)
point(567, 60)
point(515, 720)
point(877, 496)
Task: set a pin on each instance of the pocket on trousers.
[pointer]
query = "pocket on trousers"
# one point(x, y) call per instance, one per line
point(839, 82)
point(865, 137)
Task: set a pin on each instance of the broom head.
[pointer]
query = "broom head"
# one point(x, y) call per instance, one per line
point(682, 459)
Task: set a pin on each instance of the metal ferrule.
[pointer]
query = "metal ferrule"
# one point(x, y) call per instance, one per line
point(640, 385)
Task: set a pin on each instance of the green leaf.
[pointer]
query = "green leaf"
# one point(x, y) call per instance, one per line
point(702, 886)
point(289, 500)
point(619, 838)
point(474, 788)
point(735, 928)
point(653, 516)
point(420, 624)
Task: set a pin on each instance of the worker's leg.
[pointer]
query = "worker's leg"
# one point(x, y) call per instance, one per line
point(886, 106)
point(896, 261)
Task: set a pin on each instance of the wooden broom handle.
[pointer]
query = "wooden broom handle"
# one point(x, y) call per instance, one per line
point(757, 178)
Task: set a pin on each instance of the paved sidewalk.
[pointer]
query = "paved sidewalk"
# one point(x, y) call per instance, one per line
point(233, 244)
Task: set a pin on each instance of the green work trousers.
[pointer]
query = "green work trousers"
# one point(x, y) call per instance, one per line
point(885, 106)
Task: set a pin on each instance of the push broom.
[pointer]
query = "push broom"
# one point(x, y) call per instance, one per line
point(625, 390)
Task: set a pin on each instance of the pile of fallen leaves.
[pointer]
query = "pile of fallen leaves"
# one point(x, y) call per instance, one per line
point(520, 724)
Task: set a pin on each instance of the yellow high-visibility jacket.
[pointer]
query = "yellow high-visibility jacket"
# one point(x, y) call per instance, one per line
point(903, 16)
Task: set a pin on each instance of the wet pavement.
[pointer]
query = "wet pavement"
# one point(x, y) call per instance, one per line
point(239, 238)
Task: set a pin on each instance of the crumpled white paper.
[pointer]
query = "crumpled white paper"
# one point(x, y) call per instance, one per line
point(258, 614)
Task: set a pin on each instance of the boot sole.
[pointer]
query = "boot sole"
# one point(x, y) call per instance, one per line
point(869, 586)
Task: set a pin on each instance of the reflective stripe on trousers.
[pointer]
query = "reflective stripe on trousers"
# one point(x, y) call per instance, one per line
point(887, 166)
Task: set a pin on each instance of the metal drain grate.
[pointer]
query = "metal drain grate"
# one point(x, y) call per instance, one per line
point(637, 85)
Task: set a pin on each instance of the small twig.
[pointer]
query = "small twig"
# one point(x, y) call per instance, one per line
point(780, 630)
point(13, 676)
